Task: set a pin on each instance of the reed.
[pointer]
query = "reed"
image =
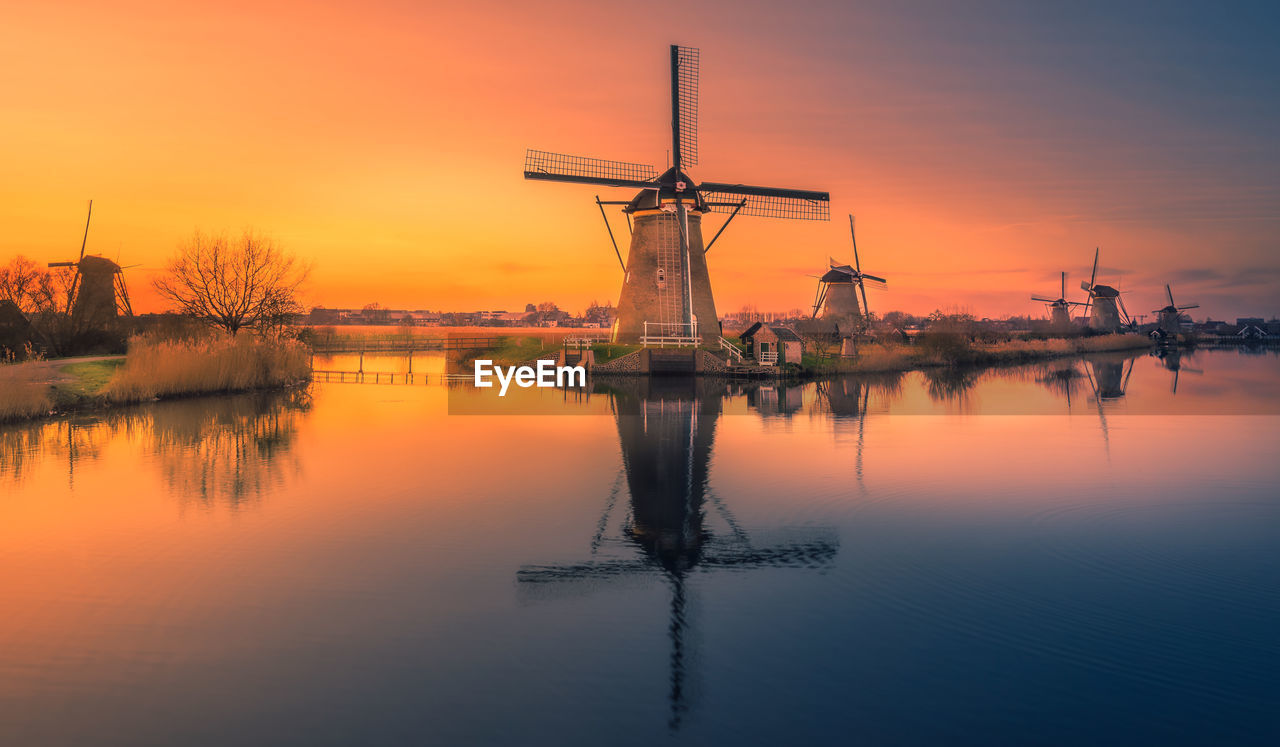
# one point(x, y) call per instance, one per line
point(24, 393)
point(156, 368)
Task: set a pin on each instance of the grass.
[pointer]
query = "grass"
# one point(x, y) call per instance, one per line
point(83, 382)
point(956, 350)
point(24, 393)
point(608, 351)
point(509, 352)
point(172, 368)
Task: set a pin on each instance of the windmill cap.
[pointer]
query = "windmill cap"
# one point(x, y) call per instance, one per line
point(842, 274)
point(92, 263)
point(665, 190)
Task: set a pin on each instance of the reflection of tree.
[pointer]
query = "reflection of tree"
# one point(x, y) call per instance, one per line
point(950, 383)
point(1062, 379)
point(23, 446)
point(227, 449)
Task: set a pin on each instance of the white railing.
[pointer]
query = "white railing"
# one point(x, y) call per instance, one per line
point(662, 334)
point(733, 350)
point(769, 358)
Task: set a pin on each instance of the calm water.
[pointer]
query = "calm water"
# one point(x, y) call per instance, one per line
point(1063, 554)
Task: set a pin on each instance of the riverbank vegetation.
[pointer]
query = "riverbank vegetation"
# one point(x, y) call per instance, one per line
point(943, 349)
point(154, 368)
point(157, 368)
point(23, 393)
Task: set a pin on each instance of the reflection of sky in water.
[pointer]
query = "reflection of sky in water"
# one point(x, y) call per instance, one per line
point(767, 565)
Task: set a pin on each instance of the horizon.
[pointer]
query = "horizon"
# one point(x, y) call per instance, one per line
point(982, 151)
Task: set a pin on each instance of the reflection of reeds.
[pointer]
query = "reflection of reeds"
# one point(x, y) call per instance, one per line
point(23, 393)
point(166, 368)
point(216, 449)
point(226, 449)
point(946, 384)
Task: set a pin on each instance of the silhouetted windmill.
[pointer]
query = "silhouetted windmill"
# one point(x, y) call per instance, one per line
point(98, 294)
point(1171, 316)
point(1060, 307)
point(666, 290)
point(1108, 312)
point(666, 439)
point(838, 289)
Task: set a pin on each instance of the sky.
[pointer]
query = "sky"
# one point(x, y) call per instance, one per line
point(983, 146)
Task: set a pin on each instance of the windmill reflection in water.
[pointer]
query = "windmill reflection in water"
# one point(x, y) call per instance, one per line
point(666, 429)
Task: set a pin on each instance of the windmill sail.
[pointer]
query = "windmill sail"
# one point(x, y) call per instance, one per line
point(767, 202)
point(684, 106)
point(666, 295)
point(560, 167)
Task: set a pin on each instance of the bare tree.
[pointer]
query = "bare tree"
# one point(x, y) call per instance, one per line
point(233, 283)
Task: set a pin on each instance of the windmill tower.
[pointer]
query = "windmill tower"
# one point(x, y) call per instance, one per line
point(1106, 308)
point(1171, 316)
point(1060, 307)
point(666, 289)
point(666, 435)
point(839, 288)
point(98, 294)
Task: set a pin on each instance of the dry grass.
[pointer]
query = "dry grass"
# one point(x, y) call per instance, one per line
point(24, 393)
point(170, 368)
point(954, 350)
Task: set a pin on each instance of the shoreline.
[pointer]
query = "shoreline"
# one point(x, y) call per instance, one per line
point(68, 396)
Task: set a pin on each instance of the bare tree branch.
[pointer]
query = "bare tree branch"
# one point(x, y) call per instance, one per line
point(248, 282)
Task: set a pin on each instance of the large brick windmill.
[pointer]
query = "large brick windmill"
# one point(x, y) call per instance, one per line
point(666, 290)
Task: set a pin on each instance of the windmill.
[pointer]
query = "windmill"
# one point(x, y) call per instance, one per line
point(666, 289)
point(1107, 307)
point(1060, 307)
point(97, 295)
point(1171, 316)
point(838, 290)
point(666, 436)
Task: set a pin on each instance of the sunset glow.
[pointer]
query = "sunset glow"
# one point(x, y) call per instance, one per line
point(982, 151)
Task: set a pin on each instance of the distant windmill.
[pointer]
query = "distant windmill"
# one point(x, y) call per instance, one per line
point(1108, 313)
point(838, 289)
point(98, 294)
point(1060, 307)
point(1171, 316)
point(666, 289)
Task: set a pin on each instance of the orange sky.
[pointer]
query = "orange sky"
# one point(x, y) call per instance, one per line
point(982, 153)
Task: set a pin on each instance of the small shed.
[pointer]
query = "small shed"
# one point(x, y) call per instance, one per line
point(772, 344)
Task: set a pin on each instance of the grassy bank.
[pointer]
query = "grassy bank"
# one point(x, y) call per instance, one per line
point(152, 369)
point(957, 351)
point(174, 368)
